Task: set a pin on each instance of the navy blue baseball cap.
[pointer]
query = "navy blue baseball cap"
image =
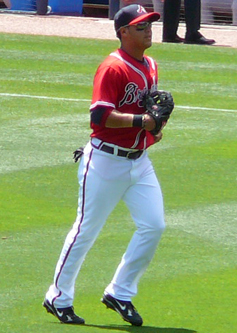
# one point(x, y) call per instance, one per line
point(133, 14)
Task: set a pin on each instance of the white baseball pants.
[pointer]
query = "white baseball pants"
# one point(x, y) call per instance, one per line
point(104, 180)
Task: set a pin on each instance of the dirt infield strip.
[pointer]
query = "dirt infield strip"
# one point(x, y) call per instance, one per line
point(102, 28)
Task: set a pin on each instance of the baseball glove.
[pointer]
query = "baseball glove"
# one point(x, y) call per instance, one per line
point(159, 105)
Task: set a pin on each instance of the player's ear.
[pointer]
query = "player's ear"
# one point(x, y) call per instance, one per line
point(123, 31)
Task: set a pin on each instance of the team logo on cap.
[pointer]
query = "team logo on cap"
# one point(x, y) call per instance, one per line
point(141, 9)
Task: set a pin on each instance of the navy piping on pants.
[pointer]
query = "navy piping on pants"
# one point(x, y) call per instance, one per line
point(79, 227)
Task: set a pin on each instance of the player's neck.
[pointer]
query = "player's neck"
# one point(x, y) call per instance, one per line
point(134, 53)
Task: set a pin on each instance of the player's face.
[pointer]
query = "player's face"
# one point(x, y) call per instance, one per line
point(141, 34)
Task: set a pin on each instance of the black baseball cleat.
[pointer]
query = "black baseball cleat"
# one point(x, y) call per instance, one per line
point(125, 308)
point(65, 315)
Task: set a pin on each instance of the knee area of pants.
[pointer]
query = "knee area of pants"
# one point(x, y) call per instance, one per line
point(154, 230)
point(159, 228)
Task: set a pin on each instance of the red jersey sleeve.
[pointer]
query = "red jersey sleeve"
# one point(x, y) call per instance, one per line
point(105, 91)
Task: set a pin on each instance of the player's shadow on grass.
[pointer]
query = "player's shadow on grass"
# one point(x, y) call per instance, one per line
point(142, 329)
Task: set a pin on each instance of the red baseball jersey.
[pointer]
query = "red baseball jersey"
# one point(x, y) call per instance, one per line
point(118, 84)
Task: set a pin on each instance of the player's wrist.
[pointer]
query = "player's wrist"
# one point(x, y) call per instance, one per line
point(139, 120)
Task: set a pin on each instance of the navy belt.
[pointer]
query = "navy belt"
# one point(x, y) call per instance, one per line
point(132, 155)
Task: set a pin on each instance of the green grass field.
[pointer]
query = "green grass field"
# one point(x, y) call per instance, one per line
point(190, 286)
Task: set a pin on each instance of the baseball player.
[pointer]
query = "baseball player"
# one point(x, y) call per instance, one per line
point(115, 166)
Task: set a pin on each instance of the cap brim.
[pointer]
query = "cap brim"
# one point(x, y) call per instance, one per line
point(151, 17)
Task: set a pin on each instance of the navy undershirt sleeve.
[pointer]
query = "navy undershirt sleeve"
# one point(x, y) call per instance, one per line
point(97, 114)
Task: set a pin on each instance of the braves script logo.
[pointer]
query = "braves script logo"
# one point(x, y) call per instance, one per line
point(133, 94)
